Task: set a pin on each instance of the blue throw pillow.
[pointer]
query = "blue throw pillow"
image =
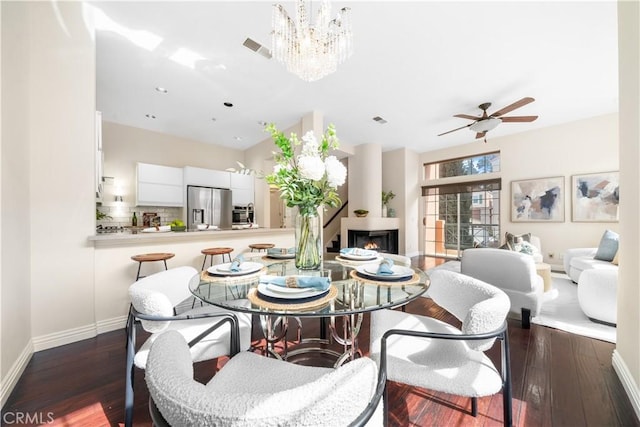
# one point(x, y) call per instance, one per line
point(608, 246)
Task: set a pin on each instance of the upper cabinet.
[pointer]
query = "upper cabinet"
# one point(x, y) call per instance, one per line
point(242, 187)
point(159, 185)
point(206, 177)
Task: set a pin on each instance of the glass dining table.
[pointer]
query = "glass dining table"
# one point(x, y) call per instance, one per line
point(354, 289)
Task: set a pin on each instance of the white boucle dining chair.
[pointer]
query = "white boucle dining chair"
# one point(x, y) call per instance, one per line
point(211, 331)
point(425, 352)
point(252, 390)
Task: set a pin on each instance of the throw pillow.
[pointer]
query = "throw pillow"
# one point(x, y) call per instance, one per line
point(608, 246)
point(514, 239)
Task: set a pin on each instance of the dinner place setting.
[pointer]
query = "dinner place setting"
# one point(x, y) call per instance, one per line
point(385, 273)
point(358, 256)
point(238, 267)
point(292, 292)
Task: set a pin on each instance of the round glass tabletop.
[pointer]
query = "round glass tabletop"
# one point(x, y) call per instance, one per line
point(354, 288)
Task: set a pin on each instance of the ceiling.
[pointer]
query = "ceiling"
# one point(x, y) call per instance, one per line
point(415, 64)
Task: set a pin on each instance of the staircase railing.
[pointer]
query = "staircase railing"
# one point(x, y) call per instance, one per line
point(335, 215)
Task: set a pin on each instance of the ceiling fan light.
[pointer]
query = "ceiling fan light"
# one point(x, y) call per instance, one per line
point(485, 125)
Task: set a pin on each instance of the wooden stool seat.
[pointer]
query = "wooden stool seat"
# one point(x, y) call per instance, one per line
point(152, 257)
point(261, 246)
point(213, 252)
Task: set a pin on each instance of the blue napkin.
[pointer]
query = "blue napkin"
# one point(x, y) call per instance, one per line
point(316, 282)
point(235, 264)
point(281, 251)
point(385, 268)
point(358, 252)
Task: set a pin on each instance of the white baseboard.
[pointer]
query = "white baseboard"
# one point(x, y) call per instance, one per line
point(57, 339)
point(632, 389)
point(14, 374)
point(69, 336)
point(112, 324)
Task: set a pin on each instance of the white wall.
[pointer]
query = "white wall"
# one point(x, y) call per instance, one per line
point(15, 299)
point(626, 358)
point(400, 172)
point(579, 147)
point(49, 140)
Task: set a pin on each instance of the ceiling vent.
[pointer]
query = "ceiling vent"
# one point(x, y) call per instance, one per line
point(257, 47)
point(380, 120)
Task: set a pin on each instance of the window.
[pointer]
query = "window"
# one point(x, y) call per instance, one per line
point(476, 165)
point(463, 214)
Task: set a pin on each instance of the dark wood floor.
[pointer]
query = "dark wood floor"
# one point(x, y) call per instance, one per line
point(559, 379)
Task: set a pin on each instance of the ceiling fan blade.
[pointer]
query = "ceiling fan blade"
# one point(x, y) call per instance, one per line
point(518, 118)
point(480, 134)
point(466, 116)
point(517, 104)
point(461, 127)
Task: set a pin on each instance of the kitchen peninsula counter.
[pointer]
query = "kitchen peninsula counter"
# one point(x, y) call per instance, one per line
point(128, 238)
point(115, 271)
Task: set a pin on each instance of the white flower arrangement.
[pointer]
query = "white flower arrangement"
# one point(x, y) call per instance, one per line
point(310, 179)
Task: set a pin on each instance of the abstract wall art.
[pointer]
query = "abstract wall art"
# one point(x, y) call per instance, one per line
point(595, 197)
point(540, 199)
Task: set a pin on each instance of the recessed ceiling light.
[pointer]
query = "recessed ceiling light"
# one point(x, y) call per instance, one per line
point(161, 89)
point(228, 104)
point(262, 123)
point(150, 116)
point(379, 120)
point(213, 119)
point(237, 138)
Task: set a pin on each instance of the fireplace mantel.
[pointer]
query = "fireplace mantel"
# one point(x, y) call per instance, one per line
point(366, 223)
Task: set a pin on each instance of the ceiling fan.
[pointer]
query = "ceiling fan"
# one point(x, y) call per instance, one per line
point(483, 124)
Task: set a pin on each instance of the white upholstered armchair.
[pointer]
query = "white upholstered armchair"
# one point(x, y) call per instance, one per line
point(425, 352)
point(211, 331)
point(513, 272)
point(253, 390)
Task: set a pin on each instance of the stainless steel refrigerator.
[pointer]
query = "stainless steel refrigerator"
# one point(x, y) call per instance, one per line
point(207, 205)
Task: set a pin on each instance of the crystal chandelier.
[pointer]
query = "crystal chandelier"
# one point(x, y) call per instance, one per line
point(311, 51)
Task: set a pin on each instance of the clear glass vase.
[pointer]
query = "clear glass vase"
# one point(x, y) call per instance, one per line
point(308, 240)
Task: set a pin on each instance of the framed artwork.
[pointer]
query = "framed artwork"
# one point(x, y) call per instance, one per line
point(540, 199)
point(595, 197)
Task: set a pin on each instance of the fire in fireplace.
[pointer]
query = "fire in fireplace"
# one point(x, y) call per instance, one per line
point(380, 240)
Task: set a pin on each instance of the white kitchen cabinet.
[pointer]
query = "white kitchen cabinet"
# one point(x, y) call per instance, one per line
point(206, 177)
point(242, 189)
point(159, 185)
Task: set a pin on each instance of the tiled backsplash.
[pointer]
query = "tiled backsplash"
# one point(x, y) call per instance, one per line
point(121, 215)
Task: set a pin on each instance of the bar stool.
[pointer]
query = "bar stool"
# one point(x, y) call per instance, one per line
point(152, 257)
point(261, 246)
point(215, 251)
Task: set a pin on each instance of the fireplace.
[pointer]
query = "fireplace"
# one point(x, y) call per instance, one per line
point(385, 241)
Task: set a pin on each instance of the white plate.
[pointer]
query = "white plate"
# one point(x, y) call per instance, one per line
point(225, 269)
point(267, 289)
point(281, 256)
point(353, 261)
point(359, 257)
point(287, 290)
point(399, 271)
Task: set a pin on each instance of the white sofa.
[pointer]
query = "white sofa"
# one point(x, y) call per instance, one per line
point(597, 284)
point(577, 260)
point(513, 272)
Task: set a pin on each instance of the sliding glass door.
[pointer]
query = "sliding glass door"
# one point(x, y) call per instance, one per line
point(461, 216)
